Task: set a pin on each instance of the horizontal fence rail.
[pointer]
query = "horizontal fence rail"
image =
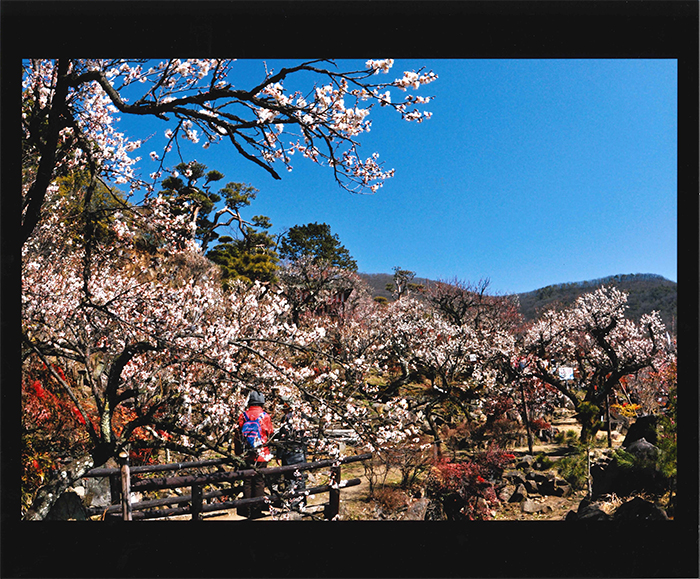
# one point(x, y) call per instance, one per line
point(100, 472)
point(194, 504)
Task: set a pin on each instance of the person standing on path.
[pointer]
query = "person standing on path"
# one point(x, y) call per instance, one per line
point(292, 444)
point(254, 430)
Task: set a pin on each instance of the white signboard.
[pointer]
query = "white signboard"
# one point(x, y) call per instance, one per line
point(566, 373)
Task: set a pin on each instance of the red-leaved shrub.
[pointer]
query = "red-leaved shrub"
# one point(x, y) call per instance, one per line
point(465, 490)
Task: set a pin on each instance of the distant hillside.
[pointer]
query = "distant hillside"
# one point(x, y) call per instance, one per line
point(647, 292)
point(378, 281)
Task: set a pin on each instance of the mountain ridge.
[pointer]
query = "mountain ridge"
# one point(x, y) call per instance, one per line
point(647, 292)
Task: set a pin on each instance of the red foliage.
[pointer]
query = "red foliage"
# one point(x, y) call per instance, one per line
point(52, 427)
point(465, 489)
point(496, 407)
point(540, 424)
point(140, 452)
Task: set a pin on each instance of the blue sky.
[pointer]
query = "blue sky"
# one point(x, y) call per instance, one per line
point(529, 173)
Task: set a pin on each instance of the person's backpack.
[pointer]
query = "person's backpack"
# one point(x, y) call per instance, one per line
point(251, 432)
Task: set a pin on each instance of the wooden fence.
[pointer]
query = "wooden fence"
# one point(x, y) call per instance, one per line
point(122, 485)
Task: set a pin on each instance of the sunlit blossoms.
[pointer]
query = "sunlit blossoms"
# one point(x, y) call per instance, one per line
point(71, 107)
point(126, 318)
point(598, 342)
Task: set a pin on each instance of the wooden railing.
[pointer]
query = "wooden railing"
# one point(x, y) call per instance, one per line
point(122, 485)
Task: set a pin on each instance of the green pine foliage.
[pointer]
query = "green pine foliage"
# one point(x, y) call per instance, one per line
point(250, 258)
point(316, 241)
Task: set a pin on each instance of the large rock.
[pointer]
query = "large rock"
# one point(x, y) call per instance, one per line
point(562, 488)
point(68, 507)
point(518, 495)
point(609, 476)
point(416, 511)
point(525, 463)
point(531, 487)
point(506, 493)
point(590, 512)
point(639, 510)
point(643, 427)
point(643, 450)
point(532, 507)
point(97, 492)
point(529, 506)
point(514, 477)
point(546, 482)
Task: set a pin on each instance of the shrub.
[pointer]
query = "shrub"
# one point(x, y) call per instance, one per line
point(390, 499)
point(51, 428)
point(635, 474)
point(411, 460)
point(505, 432)
point(574, 469)
point(571, 437)
point(457, 437)
point(543, 462)
point(465, 490)
point(625, 410)
point(667, 437)
point(540, 424)
point(624, 459)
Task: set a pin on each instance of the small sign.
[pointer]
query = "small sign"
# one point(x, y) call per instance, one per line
point(566, 373)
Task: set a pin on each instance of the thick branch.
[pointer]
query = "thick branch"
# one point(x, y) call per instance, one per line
point(47, 164)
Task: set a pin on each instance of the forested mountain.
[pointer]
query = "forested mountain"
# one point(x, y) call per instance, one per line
point(647, 292)
point(378, 282)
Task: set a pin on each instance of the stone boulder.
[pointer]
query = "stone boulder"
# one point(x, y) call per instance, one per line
point(562, 488)
point(525, 463)
point(416, 511)
point(97, 492)
point(532, 507)
point(545, 482)
point(639, 510)
point(588, 511)
point(531, 486)
point(68, 507)
point(643, 450)
point(514, 477)
point(518, 495)
point(529, 506)
point(643, 427)
point(609, 476)
point(506, 493)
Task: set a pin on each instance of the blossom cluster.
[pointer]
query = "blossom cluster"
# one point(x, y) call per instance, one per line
point(207, 108)
point(156, 330)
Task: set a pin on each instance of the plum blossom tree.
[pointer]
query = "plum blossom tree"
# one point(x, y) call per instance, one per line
point(344, 391)
point(594, 337)
point(166, 355)
point(143, 317)
point(70, 107)
point(312, 287)
point(151, 332)
point(461, 359)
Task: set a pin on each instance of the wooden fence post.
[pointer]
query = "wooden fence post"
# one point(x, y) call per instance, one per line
point(115, 489)
point(334, 493)
point(126, 485)
point(196, 502)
